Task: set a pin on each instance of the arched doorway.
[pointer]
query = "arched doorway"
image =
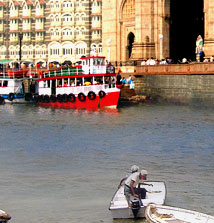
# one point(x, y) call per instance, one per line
point(186, 24)
point(130, 41)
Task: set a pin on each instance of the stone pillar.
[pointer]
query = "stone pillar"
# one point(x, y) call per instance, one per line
point(209, 28)
point(109, 29)
point(144, 45)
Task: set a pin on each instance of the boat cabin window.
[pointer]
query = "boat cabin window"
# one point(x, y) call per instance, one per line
point(88, 81)
point(65, 82)
point(79, 81)
point(46, 83)
point(98, 80)
point(107, 80)
point(5, 83)
point(59, 83)
point(85, 62)
point(0, 84)
point(72, 81)
point(1, 67)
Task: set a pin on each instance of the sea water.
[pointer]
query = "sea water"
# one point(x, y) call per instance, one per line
point(65, 165)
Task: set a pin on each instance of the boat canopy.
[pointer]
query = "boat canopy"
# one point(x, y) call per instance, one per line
point(5, 61)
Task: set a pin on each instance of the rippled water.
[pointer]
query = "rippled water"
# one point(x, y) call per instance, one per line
point(64, 165)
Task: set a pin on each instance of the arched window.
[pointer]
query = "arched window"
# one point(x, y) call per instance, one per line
point(67, 18)
point(67, 49)
point(77, 17)
point(83, 31)
point(81, 49)
point(77, 31)
point(129, 9)
point(100, 48)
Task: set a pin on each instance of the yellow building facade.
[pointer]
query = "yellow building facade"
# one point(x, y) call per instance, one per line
point(54, 30)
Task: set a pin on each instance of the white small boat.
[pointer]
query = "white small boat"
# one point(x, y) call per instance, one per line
point(166, 214)
point(119, 206)
point(4, 217)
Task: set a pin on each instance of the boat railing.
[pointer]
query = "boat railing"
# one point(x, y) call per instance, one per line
point(64, 72)
point(10, 74)
point(84, 89)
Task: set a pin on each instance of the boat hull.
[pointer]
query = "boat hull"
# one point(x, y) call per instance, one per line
point(109, 101)
point(17, 99)
point(160, 213)
point(4, 217)
point(126, 213)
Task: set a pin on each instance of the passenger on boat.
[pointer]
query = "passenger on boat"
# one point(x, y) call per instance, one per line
point(87, 83)
point(65, 84)
point(132, 189)
point(118, 78)
point(134, 169)
point(124, 80)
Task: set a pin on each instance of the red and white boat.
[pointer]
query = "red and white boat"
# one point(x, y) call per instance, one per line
point(89, 85)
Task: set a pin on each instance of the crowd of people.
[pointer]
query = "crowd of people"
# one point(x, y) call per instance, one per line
point(123, 81)
point(200, 58)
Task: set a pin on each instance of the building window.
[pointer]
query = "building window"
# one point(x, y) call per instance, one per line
point(129, 9)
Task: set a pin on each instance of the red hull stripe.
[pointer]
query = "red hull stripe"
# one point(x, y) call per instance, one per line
point(110, 99)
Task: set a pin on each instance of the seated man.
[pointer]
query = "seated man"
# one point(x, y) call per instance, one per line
point(131, 190)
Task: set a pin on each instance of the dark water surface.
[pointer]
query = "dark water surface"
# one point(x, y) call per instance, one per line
point(64, 165)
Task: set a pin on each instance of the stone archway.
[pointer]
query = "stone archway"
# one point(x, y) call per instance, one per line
point(186, 24)
point(130, 41)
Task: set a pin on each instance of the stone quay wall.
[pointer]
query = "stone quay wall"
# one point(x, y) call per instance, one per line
point(185, 84)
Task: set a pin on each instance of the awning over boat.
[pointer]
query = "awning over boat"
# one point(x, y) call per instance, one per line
point(5, 61)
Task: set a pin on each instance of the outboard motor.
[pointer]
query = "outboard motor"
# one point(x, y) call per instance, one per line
point(136, 205)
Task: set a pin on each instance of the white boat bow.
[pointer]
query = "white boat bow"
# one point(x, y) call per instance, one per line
point(165, 214)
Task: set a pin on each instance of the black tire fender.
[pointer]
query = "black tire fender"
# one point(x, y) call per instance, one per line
point(1, 100)
point(28, 97)
point(71, 98)
point(65, 98)
point(81, 97)
point(47, 98)
point(102, 94)
point(53, 98)
point(59, 98)
point(91, 95)
point(11, 96)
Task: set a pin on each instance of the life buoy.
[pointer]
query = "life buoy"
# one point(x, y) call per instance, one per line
point(28, 97)
point(59, 98)
point(53, 98)
point(65, 98)
point(1, 100)
point(81, 97)
point(47, 98)
point(102, 94)
point(91, 95)
point(36, 98)
point(11, 96)
point(71, 98)
point(42, 98)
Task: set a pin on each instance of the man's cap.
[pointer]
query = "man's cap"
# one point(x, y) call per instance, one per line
point(143, 172)
point(134, 168)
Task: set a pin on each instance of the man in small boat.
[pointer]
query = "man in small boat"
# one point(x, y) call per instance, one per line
point(132, 189)
point(134, 169)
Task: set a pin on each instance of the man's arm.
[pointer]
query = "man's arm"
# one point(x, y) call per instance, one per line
point(132, 189)
point(122, 182)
